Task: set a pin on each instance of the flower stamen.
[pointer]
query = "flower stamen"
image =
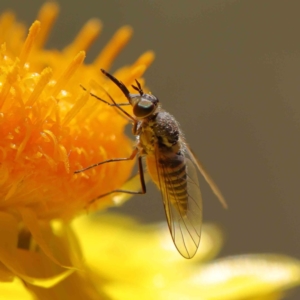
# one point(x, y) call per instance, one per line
point(79, 103)
point(68, 73)
point(31, 38)
point(145, 59)
point(85, 37)
point(47, 15)
point(11, 77)
point(113, 48)
point(25, 140)
point(45, 76)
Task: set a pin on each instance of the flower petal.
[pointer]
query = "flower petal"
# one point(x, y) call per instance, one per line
point(32, 267)
point(78, 286)
point(247, 277)
point(5, 274)
point(53, 246)
point(139, 253)
point(14, 291)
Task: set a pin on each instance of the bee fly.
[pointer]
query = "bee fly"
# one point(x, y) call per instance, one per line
point(171, 165)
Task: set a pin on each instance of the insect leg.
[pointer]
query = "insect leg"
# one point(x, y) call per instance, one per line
point(142, 181)
point(131, 157)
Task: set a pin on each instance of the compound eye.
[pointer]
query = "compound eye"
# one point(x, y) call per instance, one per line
point(143, 108)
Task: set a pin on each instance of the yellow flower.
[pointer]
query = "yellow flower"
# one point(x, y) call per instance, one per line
point(127, 260)
point(49, 128)
point(134, 261)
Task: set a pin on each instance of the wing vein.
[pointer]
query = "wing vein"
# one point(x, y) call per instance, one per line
point(177, 181)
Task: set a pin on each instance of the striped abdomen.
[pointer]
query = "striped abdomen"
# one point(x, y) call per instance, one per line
point(171, 180)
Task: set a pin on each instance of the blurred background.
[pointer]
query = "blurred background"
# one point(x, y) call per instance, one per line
point(229, 71)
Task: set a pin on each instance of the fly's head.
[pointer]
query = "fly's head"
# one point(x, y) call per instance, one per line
point(144, 105)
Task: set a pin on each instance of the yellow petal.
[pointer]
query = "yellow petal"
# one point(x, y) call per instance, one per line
point(14, 290)
point(44, 237)
point(246, 277)
point(34, 266)
point(77, 286)
point(5, 274)
point(36, 269)
point(132, 252)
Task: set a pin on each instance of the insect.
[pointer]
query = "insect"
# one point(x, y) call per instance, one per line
point(171, 165)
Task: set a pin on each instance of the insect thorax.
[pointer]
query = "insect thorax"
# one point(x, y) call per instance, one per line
point(162, 130)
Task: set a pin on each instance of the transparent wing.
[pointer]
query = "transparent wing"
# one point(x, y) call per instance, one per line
point(178, 183)
point(207, 177)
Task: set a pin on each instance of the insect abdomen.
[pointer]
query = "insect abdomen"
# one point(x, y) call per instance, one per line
point(175, 178)
point(172, 179)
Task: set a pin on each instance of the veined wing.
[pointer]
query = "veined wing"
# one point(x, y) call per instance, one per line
point(178, 182)
point(207, 177)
